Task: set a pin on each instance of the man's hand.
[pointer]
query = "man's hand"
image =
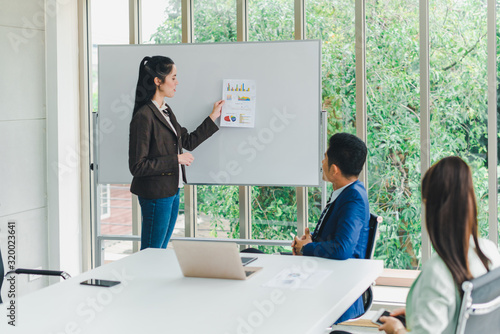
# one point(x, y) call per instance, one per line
point(297, 243)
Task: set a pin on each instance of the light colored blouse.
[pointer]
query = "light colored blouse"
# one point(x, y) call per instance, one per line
point(433, 303)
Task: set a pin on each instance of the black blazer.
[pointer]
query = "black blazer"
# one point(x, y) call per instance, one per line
point(153, 150)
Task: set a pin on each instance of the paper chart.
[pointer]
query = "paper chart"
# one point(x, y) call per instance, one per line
point(239, 109)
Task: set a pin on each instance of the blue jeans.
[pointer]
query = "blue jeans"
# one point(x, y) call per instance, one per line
point(158, 220)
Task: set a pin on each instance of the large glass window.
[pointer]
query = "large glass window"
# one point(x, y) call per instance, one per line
point(115, 199)
point(214, 21)
point(459, 95)
point(459, 86)
point(218, 209)
point(270, 20)
point(274, 215)
point(218, 212)
point(114, 250)
point(273, 209)
point(333, 23)
point(392, 66)
point(161, 21)
point(498, 118)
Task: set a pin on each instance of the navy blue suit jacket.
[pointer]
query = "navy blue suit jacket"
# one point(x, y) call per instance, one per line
point(344, 234)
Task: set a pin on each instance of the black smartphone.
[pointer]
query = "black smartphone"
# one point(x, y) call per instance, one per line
point(100, 282)
point(385, 313)
point(246, 260)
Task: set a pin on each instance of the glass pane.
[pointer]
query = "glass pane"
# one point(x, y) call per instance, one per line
point(214, 21)
point(102, 31)
point(459, 90)
point(498, 121)
point(115, 200)
point(273, 209)
point(180, 226)
point(270, 20)
point(314, 206)
point(218, 212)
point(116, 209)
point(161, 21)
point(274, 215)
point(115, 250)
point(392, 65)
point(105, 33)
point(333, 22)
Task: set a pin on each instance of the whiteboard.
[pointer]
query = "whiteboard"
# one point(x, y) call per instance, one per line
point(284, 147)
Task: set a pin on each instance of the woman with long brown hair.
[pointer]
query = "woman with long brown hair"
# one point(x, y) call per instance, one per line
point(157, 159)
point(433, 303)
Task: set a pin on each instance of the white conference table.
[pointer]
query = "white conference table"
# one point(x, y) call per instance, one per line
point(154, 297)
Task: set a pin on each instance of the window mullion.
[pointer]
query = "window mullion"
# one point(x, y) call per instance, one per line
point(492, 124)
point(361, 83)
point(425, 147)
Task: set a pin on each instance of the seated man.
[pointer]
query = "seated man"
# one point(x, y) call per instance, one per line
point(342, 229)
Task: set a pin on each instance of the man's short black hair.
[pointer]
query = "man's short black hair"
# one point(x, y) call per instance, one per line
point(347, 152)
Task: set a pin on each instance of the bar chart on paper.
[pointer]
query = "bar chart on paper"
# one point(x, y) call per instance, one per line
point(240, 103)
point(237, 88)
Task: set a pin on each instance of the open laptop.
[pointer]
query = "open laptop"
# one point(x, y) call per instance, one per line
point(211, 260)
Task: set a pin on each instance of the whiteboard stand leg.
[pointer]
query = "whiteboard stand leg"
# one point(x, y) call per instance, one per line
point(96, 224)
point(190, 210)
point(324, 133)
point(245, 214)
point(302, 212)
point(136, 222)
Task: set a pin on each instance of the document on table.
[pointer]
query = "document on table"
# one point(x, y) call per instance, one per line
point(293, 278)
point(239, 109)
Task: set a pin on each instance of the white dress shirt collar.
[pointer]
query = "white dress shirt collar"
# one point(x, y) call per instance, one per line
point(337, 192)
point(160, 108)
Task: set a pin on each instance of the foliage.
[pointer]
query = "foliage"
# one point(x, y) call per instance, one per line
point(214, 21)
point(171, 30)
point(221, 203)
point(458, 112)
point(270, 20)
point(458, 106)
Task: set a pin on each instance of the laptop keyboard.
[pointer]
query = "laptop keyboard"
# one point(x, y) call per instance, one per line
point(249, 272)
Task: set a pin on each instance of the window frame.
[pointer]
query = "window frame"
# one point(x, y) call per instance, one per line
point(361, 116)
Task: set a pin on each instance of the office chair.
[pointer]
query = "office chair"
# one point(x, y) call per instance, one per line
point(480, 309)
point(370, 249)
point(373, 224)
point(1, 275)
point(19, 271)
point(252, 250)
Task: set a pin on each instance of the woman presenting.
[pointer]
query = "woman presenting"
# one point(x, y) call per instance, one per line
point(156, 158)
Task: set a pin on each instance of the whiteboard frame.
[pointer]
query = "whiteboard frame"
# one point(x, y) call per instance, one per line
point(147, 51)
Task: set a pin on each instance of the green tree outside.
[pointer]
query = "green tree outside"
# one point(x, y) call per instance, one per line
point(458, 106)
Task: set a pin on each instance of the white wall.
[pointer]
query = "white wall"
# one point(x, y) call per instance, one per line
point(23, 182)
point(63, 139)
point(39, 135)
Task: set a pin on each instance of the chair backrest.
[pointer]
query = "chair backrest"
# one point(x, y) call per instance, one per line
point(372, 234)
point(370, 248)
point(480, 309)
point(1, 275)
